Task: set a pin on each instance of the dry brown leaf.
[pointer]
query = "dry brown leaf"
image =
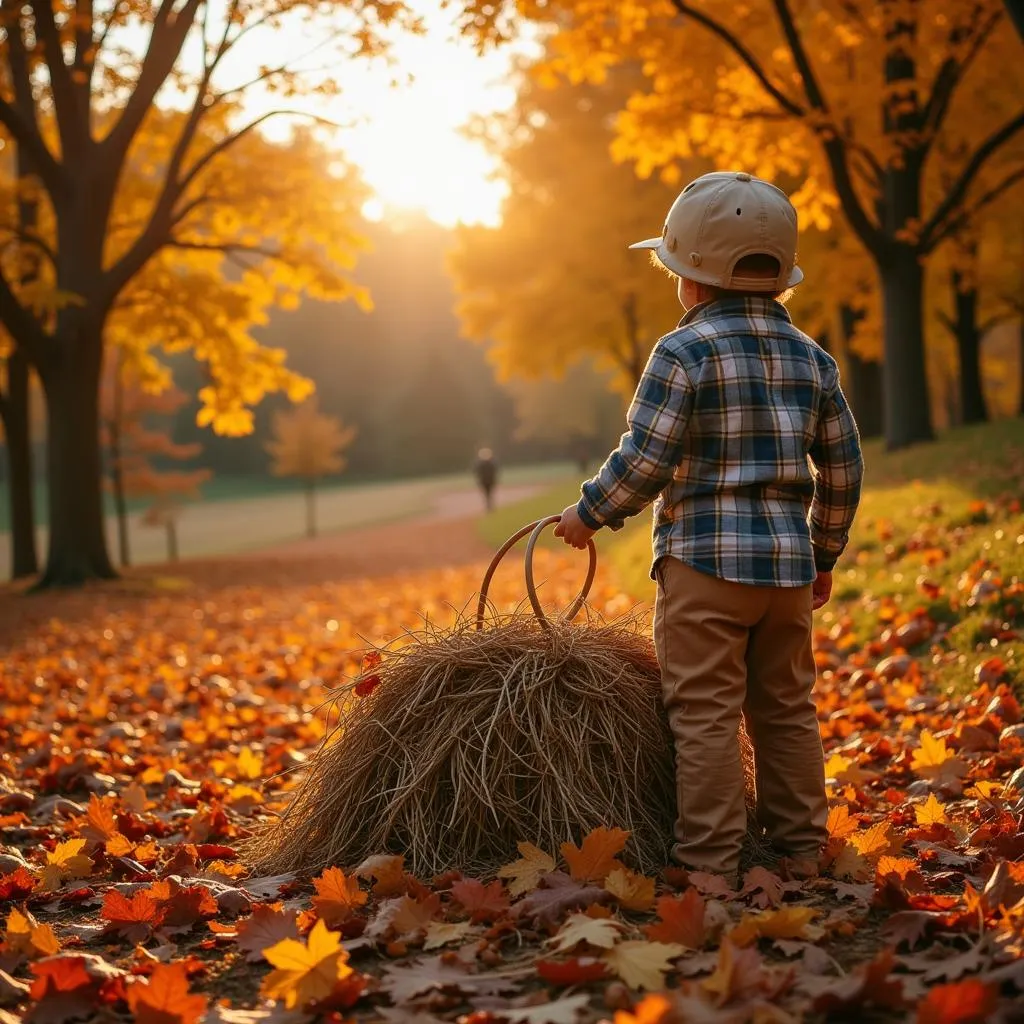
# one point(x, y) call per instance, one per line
point(526, 873)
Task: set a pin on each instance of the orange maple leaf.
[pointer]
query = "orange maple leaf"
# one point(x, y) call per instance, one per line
point(681, 920)
point(630, 889)
point(337, 896)
point(595, 858)
point(839, 824)
point(165, 998)
point(133, 918)
point(961, 1002)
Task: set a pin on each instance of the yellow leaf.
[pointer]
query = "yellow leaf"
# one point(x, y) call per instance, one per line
point(594, 859)
point(440, 933)
point(872, 842)
point(786, 923)
point(25, 937)
point(526, 872)
point(250, 764)
point(119, 846)
point(632, 890)
point(931, 812)
point(851, 864)
point(601, 932)
point(933, 760)
point(65, 861)
point(643, 965)
point(307, 972)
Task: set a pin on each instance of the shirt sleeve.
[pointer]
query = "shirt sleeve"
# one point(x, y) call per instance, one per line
point(634, 474)
point(839, 469)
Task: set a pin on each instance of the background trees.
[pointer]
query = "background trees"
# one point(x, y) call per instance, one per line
point(79, 84)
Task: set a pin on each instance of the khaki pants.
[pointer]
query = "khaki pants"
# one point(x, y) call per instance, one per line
point(727, 649)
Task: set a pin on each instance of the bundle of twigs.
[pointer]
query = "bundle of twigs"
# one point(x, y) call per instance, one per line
point(475, 739)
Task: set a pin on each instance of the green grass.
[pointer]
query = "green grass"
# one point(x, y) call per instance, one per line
point(938, 515)
point(497, 526)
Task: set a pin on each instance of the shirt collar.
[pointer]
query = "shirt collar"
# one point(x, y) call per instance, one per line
point(737, 305)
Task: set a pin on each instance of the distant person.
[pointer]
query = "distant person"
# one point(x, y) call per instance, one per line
point(486, 471)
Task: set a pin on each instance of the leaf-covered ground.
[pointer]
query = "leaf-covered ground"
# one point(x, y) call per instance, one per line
point(144, 724)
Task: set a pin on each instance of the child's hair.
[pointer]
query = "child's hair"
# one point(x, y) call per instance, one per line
point(758, 264)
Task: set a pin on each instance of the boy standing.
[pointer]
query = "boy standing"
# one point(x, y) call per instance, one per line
point(740, 429)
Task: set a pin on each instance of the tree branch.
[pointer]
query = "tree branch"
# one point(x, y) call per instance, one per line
point(952, 71)
point(955, 196)
point(165, 42)
point(23, 327)
point(741, 51)
point(31, 238)
point(225, 247)
point(812, 89)
point(65, 101)
point(966, 215)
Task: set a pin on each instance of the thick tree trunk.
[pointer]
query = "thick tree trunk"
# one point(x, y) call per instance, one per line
point(908, 418)
point(1020, 368)
point(310, 508)
point(77, 549)
point(865, 380)
point(968, 349)
point(117, 469)
point(24, 561)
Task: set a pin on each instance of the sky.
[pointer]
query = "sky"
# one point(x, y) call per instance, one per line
point(407, 137)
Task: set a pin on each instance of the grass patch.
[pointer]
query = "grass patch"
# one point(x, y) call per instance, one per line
point(497, 526)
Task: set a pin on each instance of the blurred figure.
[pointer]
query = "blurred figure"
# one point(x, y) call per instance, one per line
point(486, 471)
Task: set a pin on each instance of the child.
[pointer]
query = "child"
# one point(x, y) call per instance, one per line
point(740, 430)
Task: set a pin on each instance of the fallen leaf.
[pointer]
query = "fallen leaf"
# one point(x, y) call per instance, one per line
point(963, 1002)
point(165, 998)
point(933, 760)
point(264, 928)
point(574, 971)
point(787, 923)
point(738, 974)
point(909, 926)
point(134, 919)
point(404, 982)
point(483, 902)
point(440, 933)
point(595, 858)
point(526, 873)
point(66, 860)
point(307, 972)
point(710, 885)
point(561, 1011)
point(839, 824)
point(643, 965)
point(410, 916)
point(681, 920)
point(601, 932)
point(870, 984)
point(337, 897)
point(765, 886)
point(630, 889)
point(556, 895)
point(931, 812)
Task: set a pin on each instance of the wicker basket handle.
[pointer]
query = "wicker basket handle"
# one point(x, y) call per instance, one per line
point(535, 529)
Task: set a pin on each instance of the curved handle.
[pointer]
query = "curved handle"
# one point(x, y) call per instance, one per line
point(535, 529)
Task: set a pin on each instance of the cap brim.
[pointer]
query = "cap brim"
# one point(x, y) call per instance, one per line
point(648, 243)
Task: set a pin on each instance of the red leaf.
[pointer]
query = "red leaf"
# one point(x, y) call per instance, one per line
point(367, 685)
point(134, 919)
point(577, 971)
point(215, 851)
point(681, 920)
point(484, 902)
point(17, 884)
point(964, 1002)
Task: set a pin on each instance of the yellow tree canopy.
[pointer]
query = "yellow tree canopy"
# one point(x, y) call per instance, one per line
point(308, 443)
point(557, 282)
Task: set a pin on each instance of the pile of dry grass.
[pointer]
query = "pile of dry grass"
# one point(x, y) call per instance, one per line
point(474, 740)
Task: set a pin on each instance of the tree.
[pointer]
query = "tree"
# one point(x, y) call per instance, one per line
point(121, 182)
point(556, 282)
point(308, 444)
point(128, 406)
point(782, 89)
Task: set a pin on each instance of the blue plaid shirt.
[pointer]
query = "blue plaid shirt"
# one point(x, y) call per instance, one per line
point(740, 430)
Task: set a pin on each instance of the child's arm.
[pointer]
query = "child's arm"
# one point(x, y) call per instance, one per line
point(649, 451)
point(839, 467)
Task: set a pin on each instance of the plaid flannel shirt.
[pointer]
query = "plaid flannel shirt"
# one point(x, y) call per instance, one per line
point(741, 431)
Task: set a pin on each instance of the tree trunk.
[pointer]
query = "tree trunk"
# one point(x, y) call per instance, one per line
point(865, 383)
point(310, 508)
point(77, 549)
point(117, 467)
point(968, 349)
point(908, 418)
point(171, 526)
point(1020, 367)
point(24, 561)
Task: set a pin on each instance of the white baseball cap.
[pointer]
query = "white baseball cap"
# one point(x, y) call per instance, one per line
point(717, 220)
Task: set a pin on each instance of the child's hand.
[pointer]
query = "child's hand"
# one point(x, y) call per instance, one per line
point(572, 529)
point(821, 590)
